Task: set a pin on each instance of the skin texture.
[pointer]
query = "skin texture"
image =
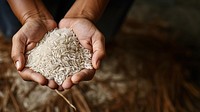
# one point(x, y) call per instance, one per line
point(37, 21)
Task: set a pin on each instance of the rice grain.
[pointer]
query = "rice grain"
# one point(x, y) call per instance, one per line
point(58, 55)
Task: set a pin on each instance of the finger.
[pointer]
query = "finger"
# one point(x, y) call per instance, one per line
point(30, 46)
point(50, 25)
point(60, 88)
point(64, 23)
point(30, 75)
point(67, 84)
point(52, 84)
point(83, 75)
point(98, 43)
point(18, 49)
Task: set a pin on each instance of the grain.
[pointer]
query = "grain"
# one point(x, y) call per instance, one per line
point(59, 55)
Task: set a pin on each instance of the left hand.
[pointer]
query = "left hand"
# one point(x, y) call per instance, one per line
point(90, 38)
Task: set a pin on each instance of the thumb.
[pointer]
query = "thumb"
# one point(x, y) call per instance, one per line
point(18, 49)
point(98, 44)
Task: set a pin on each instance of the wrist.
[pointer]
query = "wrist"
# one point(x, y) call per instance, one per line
point(29, 15)
point(81, 14)
point(29, 9)
point(88, 9)
point(34, 15)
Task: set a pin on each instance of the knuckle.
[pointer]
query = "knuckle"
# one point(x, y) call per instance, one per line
point(15, 37)
point(14, 57)
point(42, 82)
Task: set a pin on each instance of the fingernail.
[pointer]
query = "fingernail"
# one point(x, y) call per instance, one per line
point(17, 65)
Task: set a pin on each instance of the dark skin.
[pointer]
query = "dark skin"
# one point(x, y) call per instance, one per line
point(36, 21)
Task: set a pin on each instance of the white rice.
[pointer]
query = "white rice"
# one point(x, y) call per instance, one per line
point(58, 55)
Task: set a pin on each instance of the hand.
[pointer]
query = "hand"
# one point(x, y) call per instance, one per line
point(89, 37)
point(24, 40)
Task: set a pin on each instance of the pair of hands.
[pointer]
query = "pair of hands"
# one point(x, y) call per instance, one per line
point(33, 31)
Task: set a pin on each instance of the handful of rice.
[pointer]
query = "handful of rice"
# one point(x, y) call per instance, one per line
point(58, 55)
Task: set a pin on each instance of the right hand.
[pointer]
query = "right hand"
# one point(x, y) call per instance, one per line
point(90, 38)
point(24, 40)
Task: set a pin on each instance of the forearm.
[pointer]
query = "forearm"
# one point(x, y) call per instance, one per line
point(90, 9)
point(29, 9)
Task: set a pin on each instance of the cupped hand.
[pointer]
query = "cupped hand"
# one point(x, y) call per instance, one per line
point(24, 40)
point(89, 37)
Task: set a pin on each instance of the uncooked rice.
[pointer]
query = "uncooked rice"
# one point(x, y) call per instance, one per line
point(58, 55)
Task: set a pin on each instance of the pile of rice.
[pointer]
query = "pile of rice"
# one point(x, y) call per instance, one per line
point(58, 55)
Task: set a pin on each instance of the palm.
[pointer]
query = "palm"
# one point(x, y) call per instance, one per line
point(33, 31)
point(83, 29)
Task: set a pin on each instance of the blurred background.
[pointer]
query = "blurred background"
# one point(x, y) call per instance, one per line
point(152, 65)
